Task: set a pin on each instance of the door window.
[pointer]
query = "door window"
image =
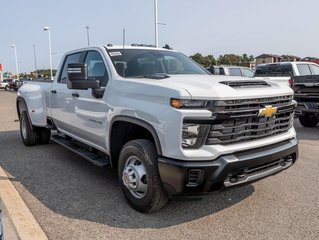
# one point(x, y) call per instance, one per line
point(303, 69)
point(72, 58)
point(96, 67)
point(247, 72)
point(234, 72)
point(314, 69)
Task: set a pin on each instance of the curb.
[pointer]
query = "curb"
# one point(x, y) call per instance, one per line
point(22, 219)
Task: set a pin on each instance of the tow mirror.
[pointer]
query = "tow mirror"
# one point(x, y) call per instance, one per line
point(78, 77)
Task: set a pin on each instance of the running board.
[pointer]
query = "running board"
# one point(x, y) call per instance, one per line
point(98, 160)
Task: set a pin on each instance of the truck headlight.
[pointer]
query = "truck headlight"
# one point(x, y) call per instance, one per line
point(194, 135)
point(189, 103)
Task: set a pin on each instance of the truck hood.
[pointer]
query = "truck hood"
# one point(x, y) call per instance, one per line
point(211, 87)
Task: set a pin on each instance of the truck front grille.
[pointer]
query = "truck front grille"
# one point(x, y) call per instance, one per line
point(243, 122)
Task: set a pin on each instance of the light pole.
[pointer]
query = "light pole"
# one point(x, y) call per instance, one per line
point(16, 58)
point(88, 34)
point(35, 62)
point(156, 24)
point(46, 28)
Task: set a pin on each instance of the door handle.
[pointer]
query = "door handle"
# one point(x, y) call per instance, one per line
point(75, 95)
point(53, 91)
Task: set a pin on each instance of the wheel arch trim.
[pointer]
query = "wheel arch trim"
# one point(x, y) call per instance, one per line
point(141, 123)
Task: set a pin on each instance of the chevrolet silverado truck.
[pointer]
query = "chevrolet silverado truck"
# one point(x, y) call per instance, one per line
point(306, 90)
point(283, 72)
point(168, 126)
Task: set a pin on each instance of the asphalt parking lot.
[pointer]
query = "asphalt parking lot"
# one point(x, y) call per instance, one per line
point(73, 199)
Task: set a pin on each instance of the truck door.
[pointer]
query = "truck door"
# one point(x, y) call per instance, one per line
point(90, 112)
point(61, 99)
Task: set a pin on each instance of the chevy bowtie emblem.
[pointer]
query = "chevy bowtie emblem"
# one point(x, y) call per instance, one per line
point(268, 111)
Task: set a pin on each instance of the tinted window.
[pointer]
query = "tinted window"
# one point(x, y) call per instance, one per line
point(274, 70)
point(303, 69)
point(96, 67)
point(314, 69)
point(234, 72)
point(247, 72)
point(146, 62)
point(72, 58)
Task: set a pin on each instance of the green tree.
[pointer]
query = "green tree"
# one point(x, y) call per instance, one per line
point(229, 59)
point(205, 61)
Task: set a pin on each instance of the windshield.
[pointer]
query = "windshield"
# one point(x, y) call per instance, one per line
point(150, 62)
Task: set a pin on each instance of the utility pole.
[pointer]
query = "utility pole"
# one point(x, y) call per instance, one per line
point(35, 62)
point(156, 23)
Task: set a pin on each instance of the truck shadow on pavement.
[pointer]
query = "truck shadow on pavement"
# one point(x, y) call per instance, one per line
point(53, 180)
point(304, 133)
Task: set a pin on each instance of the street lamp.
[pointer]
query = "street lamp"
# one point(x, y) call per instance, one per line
point(16, 58)
point(35, 62)
point(88, 34)
point(46, 28)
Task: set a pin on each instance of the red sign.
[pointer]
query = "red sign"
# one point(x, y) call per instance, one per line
point(0, 67)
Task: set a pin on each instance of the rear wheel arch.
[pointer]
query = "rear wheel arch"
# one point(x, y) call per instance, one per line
point(21, 106)
point(124, 129)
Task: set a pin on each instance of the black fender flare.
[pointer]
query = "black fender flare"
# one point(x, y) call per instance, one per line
point(138, 122)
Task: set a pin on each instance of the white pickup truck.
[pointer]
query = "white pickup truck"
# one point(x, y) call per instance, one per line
point(283, 72)
point(167, 125)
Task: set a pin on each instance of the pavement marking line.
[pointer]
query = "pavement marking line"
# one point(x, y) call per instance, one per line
point(22, 219)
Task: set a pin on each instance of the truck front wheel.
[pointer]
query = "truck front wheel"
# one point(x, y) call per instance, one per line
point(29, 136)
point(308, 120)
point(139, 176)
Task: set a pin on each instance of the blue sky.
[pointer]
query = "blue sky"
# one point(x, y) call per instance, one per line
point(206, 26)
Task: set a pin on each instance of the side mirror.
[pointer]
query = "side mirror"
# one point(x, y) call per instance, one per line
point(78, 77)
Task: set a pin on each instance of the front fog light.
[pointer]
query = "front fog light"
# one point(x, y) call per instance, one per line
point(194, 135)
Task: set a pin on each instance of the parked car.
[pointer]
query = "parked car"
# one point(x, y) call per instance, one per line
point(14, 85)
point(231, 71)
point(282, 72)
point(4, 84)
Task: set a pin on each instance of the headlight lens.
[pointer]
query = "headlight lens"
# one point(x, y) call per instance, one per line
point(188, 103)
point(194, 135)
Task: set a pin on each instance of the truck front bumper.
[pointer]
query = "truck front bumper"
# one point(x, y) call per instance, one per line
point(202, 177)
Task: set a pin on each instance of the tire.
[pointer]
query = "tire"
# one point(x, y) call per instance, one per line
point(44, 135)
point(29, 136)
point(139, 176)
point(308, 120)
point(6, 88)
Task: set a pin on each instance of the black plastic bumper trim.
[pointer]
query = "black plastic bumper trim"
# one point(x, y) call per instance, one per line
point(174, 173)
